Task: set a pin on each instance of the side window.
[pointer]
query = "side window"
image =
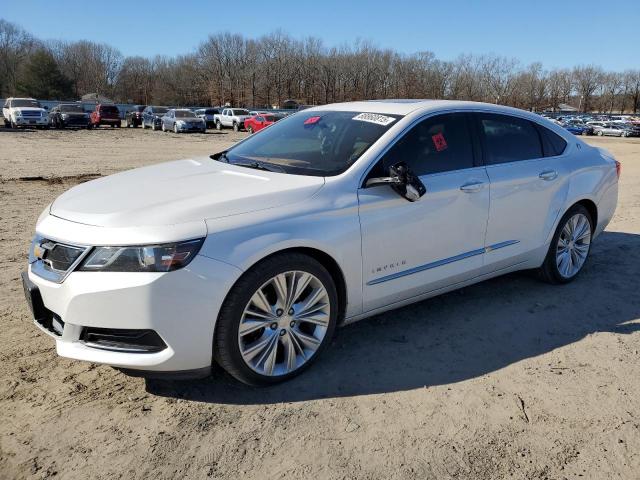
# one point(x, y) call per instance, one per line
point(437, 144)
point(509, 139)
point(552, 143)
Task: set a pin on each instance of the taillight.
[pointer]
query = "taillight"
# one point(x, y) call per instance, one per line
point(618, 168)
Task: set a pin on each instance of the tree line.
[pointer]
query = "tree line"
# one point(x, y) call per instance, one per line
point(266, 71)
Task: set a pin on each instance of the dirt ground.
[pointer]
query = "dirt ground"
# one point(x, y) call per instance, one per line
point(511, 378)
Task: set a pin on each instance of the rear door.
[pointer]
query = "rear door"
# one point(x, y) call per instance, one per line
point(528, 171)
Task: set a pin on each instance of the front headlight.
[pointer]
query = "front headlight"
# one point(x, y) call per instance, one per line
point(180, 123)
point(64, 116)
point(148, 258)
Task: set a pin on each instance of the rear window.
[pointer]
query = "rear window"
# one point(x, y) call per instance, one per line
point(269, 118)
point(109, 109)
point(239, 111)
point(185, 114)
point(211, 111)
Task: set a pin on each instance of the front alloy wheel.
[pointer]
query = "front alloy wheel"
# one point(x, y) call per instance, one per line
point(276, 320)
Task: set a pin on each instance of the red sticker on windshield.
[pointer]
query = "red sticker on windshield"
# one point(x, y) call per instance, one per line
point(439, 142)
point(311, 120)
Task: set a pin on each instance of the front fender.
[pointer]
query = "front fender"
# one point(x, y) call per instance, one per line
point(244, 240)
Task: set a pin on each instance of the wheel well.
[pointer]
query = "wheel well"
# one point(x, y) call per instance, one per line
point(332, 267)
point(591, 208)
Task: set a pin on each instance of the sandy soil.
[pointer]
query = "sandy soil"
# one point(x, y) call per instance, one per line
point(511, 378)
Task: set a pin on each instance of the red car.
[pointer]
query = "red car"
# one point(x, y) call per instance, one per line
point(258, 122)
point(105, 115)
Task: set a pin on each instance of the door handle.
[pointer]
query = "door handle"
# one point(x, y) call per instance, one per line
point(548, 175)
point(472, 187)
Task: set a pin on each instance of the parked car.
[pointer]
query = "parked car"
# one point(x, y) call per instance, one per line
point(578, 128)
point(609, 129)
point(133, 117)
point(575, 129)
point(254, 255)
point(105, 115)
point(152, 117)
point(24, 112)
point(182, 120)
point(232, 118)
point(258, 122)
point(208, 115)
point(69, 115)
point(630, 130)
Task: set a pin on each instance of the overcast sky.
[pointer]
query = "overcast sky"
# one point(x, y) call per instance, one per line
point(557, 33)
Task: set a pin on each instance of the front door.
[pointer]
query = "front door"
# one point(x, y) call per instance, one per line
point(410, 248)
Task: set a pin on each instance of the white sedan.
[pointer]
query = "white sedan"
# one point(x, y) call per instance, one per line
point(252, 257)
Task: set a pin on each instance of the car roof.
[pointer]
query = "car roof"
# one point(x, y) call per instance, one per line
point(407, 106)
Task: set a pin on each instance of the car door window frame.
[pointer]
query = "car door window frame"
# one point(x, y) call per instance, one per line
point(476, 118)
point(476, 149)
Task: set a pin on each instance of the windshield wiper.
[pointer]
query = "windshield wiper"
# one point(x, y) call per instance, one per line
point(256, 165)
point(259, 166)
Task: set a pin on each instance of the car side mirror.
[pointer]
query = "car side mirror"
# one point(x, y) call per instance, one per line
point(402, 180)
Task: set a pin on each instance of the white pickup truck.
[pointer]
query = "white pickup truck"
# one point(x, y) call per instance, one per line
point(22, 112)
point(232, 118)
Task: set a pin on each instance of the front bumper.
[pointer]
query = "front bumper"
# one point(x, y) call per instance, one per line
point(27, 121)
point(180, 306)
point(191, 127)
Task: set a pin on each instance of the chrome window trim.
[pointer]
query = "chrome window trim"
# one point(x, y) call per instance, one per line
point(425, 116)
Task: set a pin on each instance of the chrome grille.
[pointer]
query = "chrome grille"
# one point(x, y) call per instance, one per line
point(31, 113)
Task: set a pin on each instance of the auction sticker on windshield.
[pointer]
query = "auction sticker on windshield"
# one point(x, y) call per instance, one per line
point(375, 118)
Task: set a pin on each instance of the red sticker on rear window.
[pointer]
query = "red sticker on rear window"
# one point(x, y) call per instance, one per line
point(311, 120)
point(439, 142)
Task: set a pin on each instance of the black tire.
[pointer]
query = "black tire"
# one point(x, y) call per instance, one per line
point(226, 348)
point(218, 125)
point(250, 130)
point(549, 270)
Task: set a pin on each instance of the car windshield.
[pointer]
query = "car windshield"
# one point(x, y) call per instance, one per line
point(269, 118)
point(160, 109)
point(21, 102)
point(139, 108)
point(240, 111)
point(185, 114)
point(323, 143)
point(71, 108)
point(210, 111)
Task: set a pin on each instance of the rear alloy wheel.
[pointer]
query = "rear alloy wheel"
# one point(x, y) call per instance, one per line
point(175, 128)
point(236, 127)
point(218, 125)
point(570, 246)
point(250, 130)
point(276, 320)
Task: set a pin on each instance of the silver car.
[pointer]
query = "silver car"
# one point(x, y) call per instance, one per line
point(182, 120)
point(610, 130)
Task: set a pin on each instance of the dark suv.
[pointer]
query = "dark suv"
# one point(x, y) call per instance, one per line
point(133, 117)
point(152, 115)
point(105, 115)
point(69, 115)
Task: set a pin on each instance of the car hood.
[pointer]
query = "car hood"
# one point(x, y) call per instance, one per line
point(179, 192)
